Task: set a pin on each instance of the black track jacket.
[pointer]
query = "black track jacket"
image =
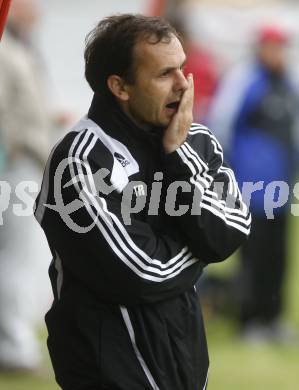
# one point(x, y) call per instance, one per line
point(130, 230)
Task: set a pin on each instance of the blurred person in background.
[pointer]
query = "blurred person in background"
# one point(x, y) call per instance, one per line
point(26, 124)
point(2, 153)
point(255, 116)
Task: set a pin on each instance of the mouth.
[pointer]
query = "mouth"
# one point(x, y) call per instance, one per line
point(173, 105)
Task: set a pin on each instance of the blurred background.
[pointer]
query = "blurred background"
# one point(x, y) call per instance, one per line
point(244, 56)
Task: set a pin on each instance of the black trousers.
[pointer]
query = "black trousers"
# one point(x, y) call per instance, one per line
point(263, 264)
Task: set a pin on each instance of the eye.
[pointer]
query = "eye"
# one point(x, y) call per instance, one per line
point(165, 73)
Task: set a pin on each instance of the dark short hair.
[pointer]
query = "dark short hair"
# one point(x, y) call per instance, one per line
point(109, 47)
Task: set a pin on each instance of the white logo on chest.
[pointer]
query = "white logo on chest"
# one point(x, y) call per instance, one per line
point(121, 159)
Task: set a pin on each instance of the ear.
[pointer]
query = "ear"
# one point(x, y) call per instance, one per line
point(117, 87)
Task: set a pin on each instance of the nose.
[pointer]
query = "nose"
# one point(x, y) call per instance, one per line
point(181, 83)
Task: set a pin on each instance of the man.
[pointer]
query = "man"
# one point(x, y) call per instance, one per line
point(125, 313)
point(255, 114)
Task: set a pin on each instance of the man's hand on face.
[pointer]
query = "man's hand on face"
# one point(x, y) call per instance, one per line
point(176, 133)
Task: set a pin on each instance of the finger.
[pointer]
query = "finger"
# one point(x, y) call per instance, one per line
point(190, 90)
point(187, 98)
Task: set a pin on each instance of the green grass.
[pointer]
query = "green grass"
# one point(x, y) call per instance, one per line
point(238, 366)
point(234, 365)
point(42, 380)
point(19, 382)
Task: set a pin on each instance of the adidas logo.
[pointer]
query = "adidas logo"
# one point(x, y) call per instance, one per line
point(124, 162)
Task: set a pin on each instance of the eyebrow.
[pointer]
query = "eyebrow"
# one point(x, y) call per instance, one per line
point(170, 68)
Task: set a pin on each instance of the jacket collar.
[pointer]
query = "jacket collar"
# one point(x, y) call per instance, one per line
point(106, 113)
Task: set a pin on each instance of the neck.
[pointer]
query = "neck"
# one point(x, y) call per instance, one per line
point(142, 125)
point(106, 111)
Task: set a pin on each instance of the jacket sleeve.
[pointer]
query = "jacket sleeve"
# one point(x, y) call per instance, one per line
point(217, 221)
point(123, 264)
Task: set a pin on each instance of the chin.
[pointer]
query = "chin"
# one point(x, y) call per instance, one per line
point(161, 122)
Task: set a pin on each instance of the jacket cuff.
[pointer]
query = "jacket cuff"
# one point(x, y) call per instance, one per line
point(174, 166)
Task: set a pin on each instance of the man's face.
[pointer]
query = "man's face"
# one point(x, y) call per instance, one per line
point(159, 82)
point(272, 55)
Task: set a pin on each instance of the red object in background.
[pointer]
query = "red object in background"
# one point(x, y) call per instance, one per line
point(4, 7)
point(204, 68)
point(274, 34)
point(157, 7)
